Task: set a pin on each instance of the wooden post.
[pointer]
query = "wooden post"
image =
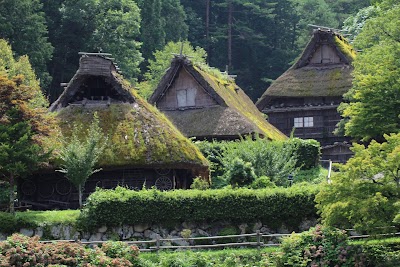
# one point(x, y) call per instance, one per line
point(158, 243)
point(258, 239)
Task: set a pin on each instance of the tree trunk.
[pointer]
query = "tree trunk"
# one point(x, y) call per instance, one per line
point(230, 11)
point(12, 210)
point(208, 28)
point(80, 195)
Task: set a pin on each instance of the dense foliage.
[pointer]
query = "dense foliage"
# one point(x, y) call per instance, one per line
point(320, 246)
point(363, 194)
point(275, 160)
point(256, 39)
point(374, 108)
point(19, 250)
point(24, 121)
point(124, 206)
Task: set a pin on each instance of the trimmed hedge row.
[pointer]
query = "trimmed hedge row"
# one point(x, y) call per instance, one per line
point(275, 207)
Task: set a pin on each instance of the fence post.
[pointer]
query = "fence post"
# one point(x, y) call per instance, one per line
point(157, 243)
point(258, 239)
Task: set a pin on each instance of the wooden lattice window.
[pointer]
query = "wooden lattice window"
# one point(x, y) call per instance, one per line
point(303, 122)
point(186, 97)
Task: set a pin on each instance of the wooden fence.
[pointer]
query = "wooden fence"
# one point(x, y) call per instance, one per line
point(159, 243)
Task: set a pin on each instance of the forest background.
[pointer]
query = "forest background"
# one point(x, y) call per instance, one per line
point(257, 40)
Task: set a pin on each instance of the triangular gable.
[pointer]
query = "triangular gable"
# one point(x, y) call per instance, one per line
point(233, 110)
point(96, 81)
point(325, 47)
point(180, 65)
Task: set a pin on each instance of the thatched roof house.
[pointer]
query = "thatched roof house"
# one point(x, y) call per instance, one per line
point(206, 104)
point(307, 95)
point(144, 148)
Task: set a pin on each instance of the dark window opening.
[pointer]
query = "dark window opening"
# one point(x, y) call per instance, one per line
point(96, 88)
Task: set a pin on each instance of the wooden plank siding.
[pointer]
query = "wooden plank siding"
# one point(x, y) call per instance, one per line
point(185, 81)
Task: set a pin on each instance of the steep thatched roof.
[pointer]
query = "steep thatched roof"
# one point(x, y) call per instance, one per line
point(139, 135)
point(308, 78)
point(233, 114)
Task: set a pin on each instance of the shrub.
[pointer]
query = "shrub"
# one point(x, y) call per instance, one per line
point(19, 250)
point(200, 184)
point(262, 182)
point(124, 206)
point(307, 152)
point(320, 246)
point(10, 223)
point(272, 159)
point(240, 173)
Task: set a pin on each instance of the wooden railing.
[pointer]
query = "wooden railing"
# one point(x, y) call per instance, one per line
point(158, 243)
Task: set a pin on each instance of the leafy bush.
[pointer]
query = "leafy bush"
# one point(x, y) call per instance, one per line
point(262, 182)
point(241, 173)
point(19, 250)
point(200, 184)
point(10, 223)
point(320, 246)
point(275, 207)
point(275, 159)
point(307, 152)
point(364, 193)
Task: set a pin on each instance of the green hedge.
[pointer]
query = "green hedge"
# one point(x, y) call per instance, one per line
point(289, 206)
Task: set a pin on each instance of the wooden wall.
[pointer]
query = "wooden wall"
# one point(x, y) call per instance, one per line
point(197, 96)
point(53, 190)
point(325, 54)
point(324, 123)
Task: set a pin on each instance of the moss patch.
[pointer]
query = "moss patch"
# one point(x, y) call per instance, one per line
point(235, 98)
point(138, 135)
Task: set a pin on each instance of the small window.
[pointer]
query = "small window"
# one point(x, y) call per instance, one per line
point(298, 122)
point(303, 122)
point(308, 121)
point(186, 97)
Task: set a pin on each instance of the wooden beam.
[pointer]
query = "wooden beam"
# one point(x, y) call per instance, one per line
point(94, 54)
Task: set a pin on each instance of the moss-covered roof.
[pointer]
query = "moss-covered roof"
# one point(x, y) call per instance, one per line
point(138, 134)
point(314, 80)
point(234, 115)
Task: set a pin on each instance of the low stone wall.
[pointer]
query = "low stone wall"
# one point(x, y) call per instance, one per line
point(150, 232)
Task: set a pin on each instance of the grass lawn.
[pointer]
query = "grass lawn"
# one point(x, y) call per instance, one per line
point(49, 217)
point(225, 257)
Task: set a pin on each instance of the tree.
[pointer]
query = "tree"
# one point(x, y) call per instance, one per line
point(316, 12)
point(117, 24)
point(24, 121)
point(71, 24)
point(363, 194)
point(80, 155)
point(152, 31)
point(175, 29)
point(23, 24)
point(374, 100)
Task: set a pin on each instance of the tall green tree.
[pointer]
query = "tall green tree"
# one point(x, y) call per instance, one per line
point(24, 121)
point(117, 24)
point(23, 24)
point(374, 100)
point(315, 12)
point(71, 25)
point(174, 18)
point(80, 155)
point(363, 194)
point(152, 31)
